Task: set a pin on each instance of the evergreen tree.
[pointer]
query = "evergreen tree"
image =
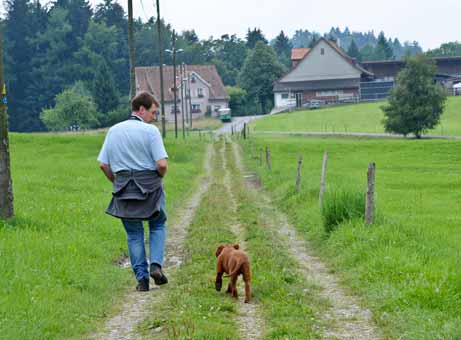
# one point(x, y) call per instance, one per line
point(254, 36)
point(105, 94)
point(54, 64)
point(282, 47)
point(19, 49)
point(353, 51)
point(383, 51)
point(260, 70)
point(112, 14)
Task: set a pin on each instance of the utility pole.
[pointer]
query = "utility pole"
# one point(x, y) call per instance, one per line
point(182, 99)
point(131, 46)
point(175, 88)
point(190, 101)
point(6, 185)
point(160, 48)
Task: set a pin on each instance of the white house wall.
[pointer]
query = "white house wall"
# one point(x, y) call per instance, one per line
point(316, 66)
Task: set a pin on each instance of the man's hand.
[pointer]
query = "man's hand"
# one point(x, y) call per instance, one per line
point(162, 167)
point(107, 171)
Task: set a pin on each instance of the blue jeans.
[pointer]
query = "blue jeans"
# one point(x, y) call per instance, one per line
point(135, 236)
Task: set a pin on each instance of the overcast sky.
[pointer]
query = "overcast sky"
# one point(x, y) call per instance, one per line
point(430, 22)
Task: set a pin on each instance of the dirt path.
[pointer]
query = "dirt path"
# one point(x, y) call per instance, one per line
point(136, 306)
point(345, 319)
point(250, 321)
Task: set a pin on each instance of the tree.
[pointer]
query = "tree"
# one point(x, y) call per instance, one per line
point(416, 103)
point(71, 109)
point(105, 94)
point(20, 52)
point(260, 70)
point(238, 100)
point(54, 65)
point(353, 51)
point(6, 186)
point(367, 53)
point(450, 49)
point(282, 47)
point(383, 51)
point(254, 36)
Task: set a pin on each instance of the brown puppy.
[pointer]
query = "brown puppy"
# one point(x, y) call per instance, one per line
point(233, 262)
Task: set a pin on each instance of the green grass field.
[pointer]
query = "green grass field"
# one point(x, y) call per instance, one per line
point(58, 255)
point(365, 117)
point(407, 266)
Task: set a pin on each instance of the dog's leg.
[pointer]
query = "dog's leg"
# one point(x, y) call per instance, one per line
point(234, 286)
point(218, 283)
point(247, 279)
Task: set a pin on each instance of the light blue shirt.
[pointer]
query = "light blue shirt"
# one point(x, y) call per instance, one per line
point(132, 145)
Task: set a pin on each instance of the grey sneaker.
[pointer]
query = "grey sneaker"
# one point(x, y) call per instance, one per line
point(157, 274)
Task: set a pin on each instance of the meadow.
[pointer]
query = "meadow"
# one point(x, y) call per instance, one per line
point(59, 254)
point(405, 267)
point(364, 117)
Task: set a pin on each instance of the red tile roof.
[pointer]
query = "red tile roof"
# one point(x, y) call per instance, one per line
point(148, 79)
point(299, 53)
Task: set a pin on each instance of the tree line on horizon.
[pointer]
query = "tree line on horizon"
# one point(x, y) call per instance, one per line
point(68, 52)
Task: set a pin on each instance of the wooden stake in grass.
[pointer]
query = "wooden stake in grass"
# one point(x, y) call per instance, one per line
point(298, 176)
point(370, 202)
point(323, 178)
point(268, 158)
point(244, 130)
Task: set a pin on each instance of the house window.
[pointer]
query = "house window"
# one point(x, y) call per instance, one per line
point(284, 95)
point(196, 108)
point(200, 92)
point(192, 79)
point(322, 51)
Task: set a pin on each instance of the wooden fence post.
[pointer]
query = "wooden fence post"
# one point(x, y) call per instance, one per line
point(268, 158)
point(323, 178)
point(244, 130)
point(370, 202)
point(298, 176)
point(232, 130)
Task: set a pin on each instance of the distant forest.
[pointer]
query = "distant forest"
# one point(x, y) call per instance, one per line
point(70, 46)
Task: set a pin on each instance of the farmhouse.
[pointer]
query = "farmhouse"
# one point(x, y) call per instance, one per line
point(207, 91)
point(326, 73)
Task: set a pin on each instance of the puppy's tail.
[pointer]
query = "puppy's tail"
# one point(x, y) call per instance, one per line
point(233, 272)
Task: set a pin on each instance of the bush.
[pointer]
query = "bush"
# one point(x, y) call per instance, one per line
point(71, 109)
point(342, 205)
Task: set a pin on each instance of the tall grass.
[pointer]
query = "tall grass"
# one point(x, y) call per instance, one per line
point(341, 205)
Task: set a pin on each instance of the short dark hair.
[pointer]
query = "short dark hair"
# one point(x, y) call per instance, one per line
point(143, 99)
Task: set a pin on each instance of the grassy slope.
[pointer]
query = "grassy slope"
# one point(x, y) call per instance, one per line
point(58, 255)
point(365, 117)
point(407, 266)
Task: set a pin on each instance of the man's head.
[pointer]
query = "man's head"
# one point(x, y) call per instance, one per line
point(145, 106)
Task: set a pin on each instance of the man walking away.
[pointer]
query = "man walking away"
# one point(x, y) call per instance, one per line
point(134, 159)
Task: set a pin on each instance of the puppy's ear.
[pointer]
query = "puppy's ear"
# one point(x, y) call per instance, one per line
point(236, 246)
point(219, 250)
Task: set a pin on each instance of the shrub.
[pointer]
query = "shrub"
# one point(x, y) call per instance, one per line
point(342, 205)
